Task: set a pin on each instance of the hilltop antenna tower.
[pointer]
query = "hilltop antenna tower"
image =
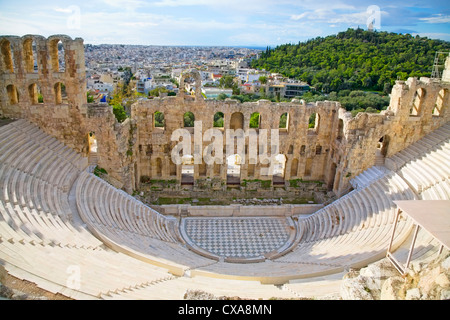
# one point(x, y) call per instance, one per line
point(438, 64)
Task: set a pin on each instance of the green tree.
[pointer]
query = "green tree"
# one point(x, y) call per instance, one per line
point(254, 120)
point(159, 119)
point(188, 119)
point(119, 112)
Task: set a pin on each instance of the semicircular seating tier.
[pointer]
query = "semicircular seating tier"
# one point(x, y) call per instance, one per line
point(121, 248)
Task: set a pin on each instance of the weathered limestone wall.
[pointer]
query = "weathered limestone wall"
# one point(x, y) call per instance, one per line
point(399, 125)
point(334, 151)
point(114, 142)
point(299, 144)
point(29, 65)
point(32, 66)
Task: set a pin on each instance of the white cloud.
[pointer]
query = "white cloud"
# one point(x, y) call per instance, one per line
point(177, 3)
point(125, 3)
point(299, 16)
point(434, 35)
point(438, 18)
point(63, 10)
point(138, 24)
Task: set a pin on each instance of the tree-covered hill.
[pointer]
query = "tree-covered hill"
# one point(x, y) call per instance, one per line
point(354, 59)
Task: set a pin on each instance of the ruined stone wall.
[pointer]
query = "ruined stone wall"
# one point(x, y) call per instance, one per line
point(412, 113)
point(47, 86)
point(306, 150)
point(335, 150)
point(31, 66)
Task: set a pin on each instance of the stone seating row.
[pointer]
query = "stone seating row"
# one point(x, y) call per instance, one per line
point(367, 177)
point(89, 272)
point(38, 214)
point(438, 191)
point(38, 240)
point(129, 226)
point(438, 140)
point(101, 203)
point(365, 208)
point(426, 170)
point(32, 151)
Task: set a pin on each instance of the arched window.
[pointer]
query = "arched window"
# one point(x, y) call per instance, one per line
point(57, 55)
point(237, 121)
point(234, 169)
point(60, 93)
point(187, 170)
point(30, 56)
point(417, 102)
point(294, 168)
point(303, 149)
point(8, 57)
point(279, 169)
point(314, 122)
point(251, 167)
point(340, 129)
point(318, 149)
point(218, 120)
point(284, 121)
point(158, 120)
point(440, 102)
point(188, 120)
point(35, 94)
point(255, 120)
point(172, 168)
point(92, 141)
point(13, 94)
point(158, 167)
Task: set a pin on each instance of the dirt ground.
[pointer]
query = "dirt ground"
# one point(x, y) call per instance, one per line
point(16, 289)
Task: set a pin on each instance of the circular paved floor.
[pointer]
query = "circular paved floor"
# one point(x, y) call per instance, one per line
point(237, 237)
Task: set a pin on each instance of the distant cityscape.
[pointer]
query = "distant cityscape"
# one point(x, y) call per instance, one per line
point(154, 67)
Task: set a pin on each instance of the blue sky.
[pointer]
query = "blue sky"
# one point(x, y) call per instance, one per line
point(226, 22)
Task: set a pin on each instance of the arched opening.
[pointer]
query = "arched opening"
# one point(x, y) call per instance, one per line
point(382, 149)
point(57, 55)
point(8, 56)
point(308, 166)
point(158, 168)
point(92, 149)
point(202, 169)
point(302, 150)
point(13, 94)
point(340, 130)
point(279, 167)
point(217, 169)
point(234, 169)
point(187, 170)
point(92, 142)
point(158, 120)
point(35, 94)
point(188, 120)
point(291, 149)
point(30, 56)
point(440, 102)
point(60, 93)
point(172, 168)
point(416, 106)
point(332, 176)
point(284, 122)
point(218, 120)
point(237, 121)
point(318, 149)
point(251, 167)
point(294, 168)
point(255, 120)
point(314, 122)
